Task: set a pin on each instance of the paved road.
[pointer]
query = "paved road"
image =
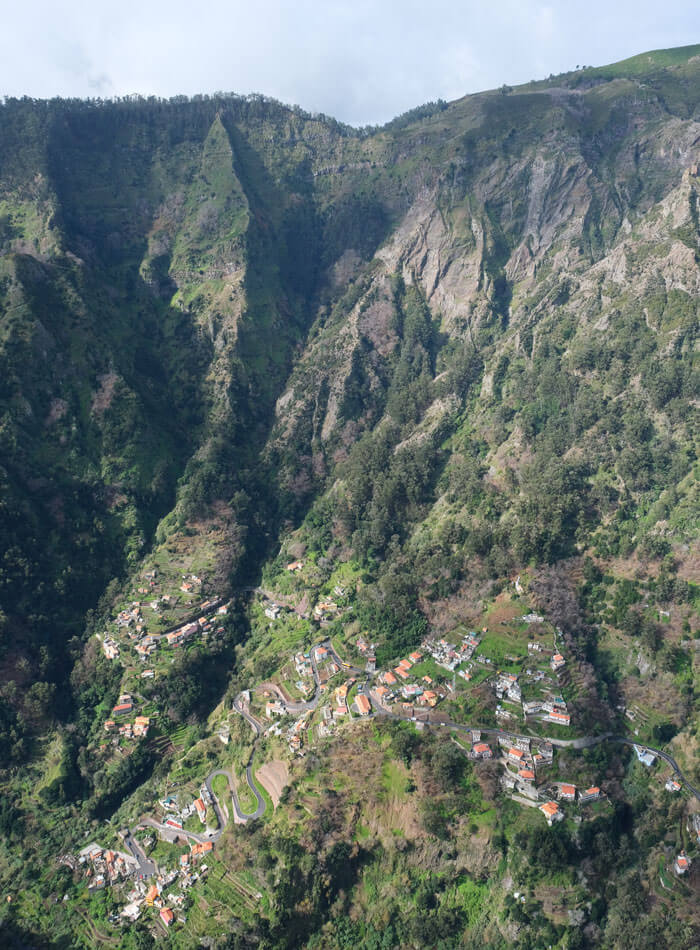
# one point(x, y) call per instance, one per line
point(250, 779)
point(147, 868)
point(583, 742)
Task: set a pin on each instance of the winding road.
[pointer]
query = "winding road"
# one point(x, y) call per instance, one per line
point(582, 742)
point(147, 868)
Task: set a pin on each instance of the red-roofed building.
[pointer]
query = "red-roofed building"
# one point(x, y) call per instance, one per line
point(363, 705)
point(515, 755)
point(567, 793)
point(590, 795)
point(562, 719)
point(401, 672)
point(551, 812)
point(167, 916)
point(201, 809)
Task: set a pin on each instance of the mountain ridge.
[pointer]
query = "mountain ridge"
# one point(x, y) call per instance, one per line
point(420, 361)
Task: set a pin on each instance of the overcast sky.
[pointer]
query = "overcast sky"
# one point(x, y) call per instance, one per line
point(362, 61)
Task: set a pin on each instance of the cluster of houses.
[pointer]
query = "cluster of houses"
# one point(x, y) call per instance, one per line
point(191, 584)
point(155, 895)
point(336, 711)
point(367, 650)
point(104, 867)
point(145, 644)
point(448, 655)
point(305, 672)
point(134, 729)
point(399, 683)
point(174, 815)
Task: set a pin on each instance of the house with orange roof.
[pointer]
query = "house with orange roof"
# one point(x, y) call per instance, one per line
point(405, 664)
point(551, 812)
point(429, 698)
point(201, 809)
point(401, 672)
point(141, 725)
point(122, 709)
point(562, 719)
point(557, 661)
point(428, 680)
point(481, 751)
point(295, 566)
point(527, 775)
point(202, 847)
point(590, 795)
point(567, 793)
point(167, 916)
point(682, 863)
point(415, 657)
point(515, 755)
point(388, 678)
point(383, 694)
point(363, 705)
point(151, 895)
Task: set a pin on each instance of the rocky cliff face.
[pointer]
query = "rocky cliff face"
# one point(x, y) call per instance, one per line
point(229, 299)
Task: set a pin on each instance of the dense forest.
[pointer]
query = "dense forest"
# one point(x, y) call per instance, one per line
point(422, 361)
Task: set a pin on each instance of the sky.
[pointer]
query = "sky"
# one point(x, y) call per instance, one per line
point(362, 61)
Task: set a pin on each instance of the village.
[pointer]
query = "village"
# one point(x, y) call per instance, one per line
point(337, 684)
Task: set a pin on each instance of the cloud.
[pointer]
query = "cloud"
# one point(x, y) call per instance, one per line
point(362, 61)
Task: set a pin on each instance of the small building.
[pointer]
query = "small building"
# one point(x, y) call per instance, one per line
point(429, 698)
point(152, 895)
point(141, 725)
point(567, 793)
point(672, 786)
point(362, 705)
point(122, 709)
point(274, 709)
point(481, 750)
point(295, 566)
point(515, 755)
point(401, 672)
point(388, 678)
point(202, 847)
point(557, 661)
point(551, 812)
point(682, 863)
point(526, 775)
point(201, 810)
point(167, 916)
point(645, 756)
point(561, 719)
point(591, 794)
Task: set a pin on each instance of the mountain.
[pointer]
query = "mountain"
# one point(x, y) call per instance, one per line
point(446, 368)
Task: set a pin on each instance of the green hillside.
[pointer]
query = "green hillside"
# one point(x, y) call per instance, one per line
point(269, 383)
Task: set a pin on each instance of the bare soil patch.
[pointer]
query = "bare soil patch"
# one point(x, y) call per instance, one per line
point(273, 776)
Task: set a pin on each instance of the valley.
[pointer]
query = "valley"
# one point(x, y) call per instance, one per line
point(349, 574)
